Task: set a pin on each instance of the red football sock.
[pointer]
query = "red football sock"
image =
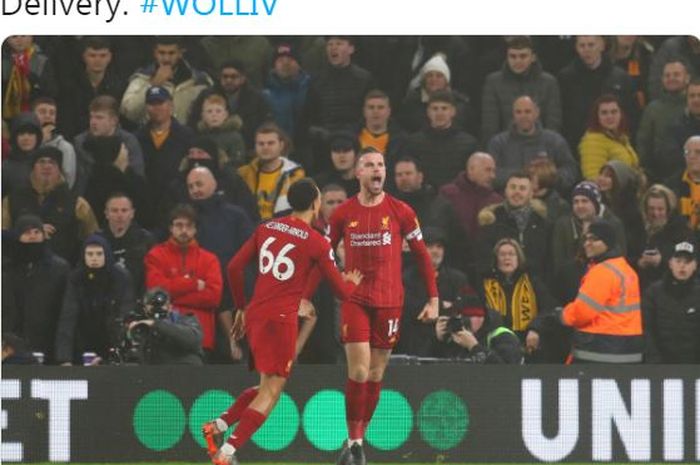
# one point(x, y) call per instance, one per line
point(233, 414)
point(373, 389)
point(251, 420)
point(355, 399)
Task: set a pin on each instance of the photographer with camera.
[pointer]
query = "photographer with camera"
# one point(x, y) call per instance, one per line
point(475, 334)
point(162, 335)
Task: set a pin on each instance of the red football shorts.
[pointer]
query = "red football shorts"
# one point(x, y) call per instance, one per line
point(378, 326)
point(272, 346)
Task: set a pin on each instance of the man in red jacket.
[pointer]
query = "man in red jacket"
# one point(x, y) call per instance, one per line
point(190, 274)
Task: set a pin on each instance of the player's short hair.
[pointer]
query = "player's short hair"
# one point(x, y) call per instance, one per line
point(302, 194)
point(183, 211)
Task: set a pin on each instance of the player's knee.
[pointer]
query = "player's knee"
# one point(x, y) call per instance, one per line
point(359, 374)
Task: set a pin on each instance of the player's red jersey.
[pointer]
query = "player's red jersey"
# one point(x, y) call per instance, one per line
point(372, 237)
point(287, 249)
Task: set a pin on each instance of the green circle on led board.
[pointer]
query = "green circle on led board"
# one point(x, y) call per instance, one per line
point(159, 420)
point(280, 428)
point(443, 420)
point(323, 420)
point(205, 408)
point(392, 421)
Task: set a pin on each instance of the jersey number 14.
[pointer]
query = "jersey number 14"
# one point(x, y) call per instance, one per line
point(282, 266)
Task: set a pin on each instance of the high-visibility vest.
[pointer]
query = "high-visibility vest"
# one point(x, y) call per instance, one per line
point(606, 315)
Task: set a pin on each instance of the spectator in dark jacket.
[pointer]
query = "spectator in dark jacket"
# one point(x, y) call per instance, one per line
point(686, 48)
point(33, 284)
point(441, 147)
point(416, 336)
point(25, 138)
point(343, 149)
point(99, 294)
point(521, 74)
point(670, 311)
point(687, 125)
point(544, 177)
point(477, 335)
point(379, 129)
point(663, 228)
point(520, 218)
point(587, 77)
point(526, 140)
point(435, 76)
point(112, 173)
point(128, 240)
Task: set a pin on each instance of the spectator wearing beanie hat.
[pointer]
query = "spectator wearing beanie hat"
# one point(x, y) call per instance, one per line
point(606, 314)
point(435, 76)
point(33, 285)
point(112, 173)
point(587, 206)
point(286, 87)
point(25, 138)
point(67, 218)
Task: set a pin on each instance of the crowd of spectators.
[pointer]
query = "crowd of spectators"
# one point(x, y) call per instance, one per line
point(138, 163)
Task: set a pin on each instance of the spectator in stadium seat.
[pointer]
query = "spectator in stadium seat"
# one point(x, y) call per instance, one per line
point(112, 173)
point(104, 121)
point(128, 240)
point(431, 209)
point(686, 184)
point(164, 142)
point(633, 54)
point(271, 173)
point(254, 53)
point(663, 228)
point(25, 138)
point(620, 187)
point(519, 217)
point(189, 273)
point(686, 48)
point(654, 143)
point(98, 78)
point(590, 75)
point(343, 148)
point(521, 74)
point(435, 76)
point(481, 339)
point(471, 191)
point(607, 138)
point(416, 337)
point(524, 302)
point(68, 219)
point(217, 124)
point(379, 129)
point(33, 284)
point(222, 228)
point(46, 111)
point(688, 124)
point(99, 295)
point(544, 176)
point(245, 101)
point(204, 152)
point(587, 207)
point(286, 87)
point(441, 146)
point(671, 322)
point(606, 314)
point(526, 140)
point(169, 71)
point(27, 74)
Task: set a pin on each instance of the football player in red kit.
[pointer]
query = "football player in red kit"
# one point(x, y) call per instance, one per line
point(287, 249)
point(373, 225)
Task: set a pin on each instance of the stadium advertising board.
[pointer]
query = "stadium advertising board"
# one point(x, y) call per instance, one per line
point(450, 413)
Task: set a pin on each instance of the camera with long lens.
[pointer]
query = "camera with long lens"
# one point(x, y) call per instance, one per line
point(132, 342)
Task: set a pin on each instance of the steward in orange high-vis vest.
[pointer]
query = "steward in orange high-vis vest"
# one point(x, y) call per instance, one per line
point(606, 314)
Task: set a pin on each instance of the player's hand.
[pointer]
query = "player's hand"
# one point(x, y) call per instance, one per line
point(306, 309)
point(430, 311)
point(238, 327)
point(353, 276)
point(532, 341)
point(236, 351)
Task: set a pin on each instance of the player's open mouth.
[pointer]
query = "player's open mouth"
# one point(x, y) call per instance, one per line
point(376, 179)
